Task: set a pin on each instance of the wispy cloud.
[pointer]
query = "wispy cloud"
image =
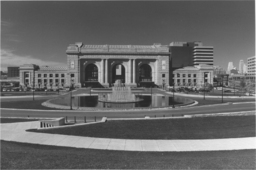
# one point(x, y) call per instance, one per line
point(8, 58)
point(6, 24)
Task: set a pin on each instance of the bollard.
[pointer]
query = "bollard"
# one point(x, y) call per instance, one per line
point(74, 119)
point(95, 118)
point(85, 119)
point(66, 119)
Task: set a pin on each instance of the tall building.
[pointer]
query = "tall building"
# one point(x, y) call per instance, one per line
point(13, 71)
point(230, 67)
point(242, 67)
point(251, 62)
point(203, 55)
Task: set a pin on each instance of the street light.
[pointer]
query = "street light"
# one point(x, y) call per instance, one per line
point(222, 88)
point(33, 84)
point(151, 97)
point(173, 106)
point(70, 92)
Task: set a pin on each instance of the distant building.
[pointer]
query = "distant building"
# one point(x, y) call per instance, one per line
point(203, 55)
point(185, 54)
point(230, 67)
point(13, 72)
point(251, 62)
point(242, 67)
point(3, 75)
point(217, 70)
point(193, 76)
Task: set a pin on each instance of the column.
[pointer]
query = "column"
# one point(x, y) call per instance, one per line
point(129, 71)
point(106, 71)
point(102, 71)
point(156, 72)
point(134, 73)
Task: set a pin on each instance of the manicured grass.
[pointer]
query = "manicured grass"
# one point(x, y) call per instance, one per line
point(36, 104)
point(13, 120)
point(30, 156)
point(190, 128)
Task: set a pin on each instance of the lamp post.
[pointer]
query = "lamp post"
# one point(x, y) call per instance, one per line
point(70, 93)
point(151, 97)
point(173, 106)
point(33, 84)
point(204, 85)
point(222, 88)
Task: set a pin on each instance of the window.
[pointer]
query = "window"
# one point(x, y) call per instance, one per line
point(194, 75)
point(62, 81)
point(163, 75)
point(178, 80)
point(50, 75)
point(56, 75)
point(189, 80)
point(27, 75)
point(183, 75)
point(45, 75)
point(56, 81)
point(189, 75)
point(184, 80)
point(50, 81)
point(72, 75)
point(39, 81)
point(178, 75)
point(194, 80)
point(62, 75)
point(38, 75)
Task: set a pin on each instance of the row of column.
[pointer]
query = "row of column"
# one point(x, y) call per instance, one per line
point(130, 74)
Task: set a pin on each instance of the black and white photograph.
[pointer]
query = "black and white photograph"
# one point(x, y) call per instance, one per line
point(124, 84)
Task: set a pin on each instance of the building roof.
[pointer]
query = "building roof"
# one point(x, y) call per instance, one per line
point(155, 48)
point(53, 68)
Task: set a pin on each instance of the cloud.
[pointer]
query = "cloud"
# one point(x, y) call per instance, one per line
point(8, 58)
point(6, 24)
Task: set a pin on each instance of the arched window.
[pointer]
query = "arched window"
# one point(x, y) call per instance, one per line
point(91, 73)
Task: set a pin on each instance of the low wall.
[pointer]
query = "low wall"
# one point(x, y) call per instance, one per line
point(52, 122)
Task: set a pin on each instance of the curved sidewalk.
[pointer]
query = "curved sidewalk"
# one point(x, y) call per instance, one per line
point(209, 96)
point(16, 132)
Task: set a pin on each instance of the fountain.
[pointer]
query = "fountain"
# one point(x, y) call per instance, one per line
point(120, 94)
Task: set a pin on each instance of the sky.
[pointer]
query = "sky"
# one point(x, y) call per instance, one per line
point(39, 32)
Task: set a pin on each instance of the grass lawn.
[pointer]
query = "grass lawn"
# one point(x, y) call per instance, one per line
point(191, 128)
point(14, 120)
point(36, 104)
point(31, 156)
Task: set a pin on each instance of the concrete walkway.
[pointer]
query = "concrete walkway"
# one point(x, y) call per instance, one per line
point(16, 132)
point(210, 96)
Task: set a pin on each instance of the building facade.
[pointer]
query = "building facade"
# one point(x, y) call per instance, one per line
point(193, 76)
point(251, 65)
point(102, 65)
point(13, 71)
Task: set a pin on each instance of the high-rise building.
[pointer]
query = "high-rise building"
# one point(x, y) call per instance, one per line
point(242, 69)
point(230, 67)
point(203, 55)
point(13, 72)
point(251, 62)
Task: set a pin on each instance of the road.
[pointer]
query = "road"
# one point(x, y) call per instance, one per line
point(129, 114)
